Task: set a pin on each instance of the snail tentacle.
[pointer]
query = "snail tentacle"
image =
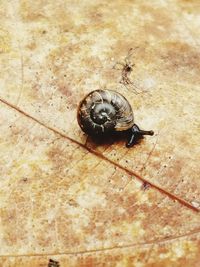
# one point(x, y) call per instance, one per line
point(136, 134)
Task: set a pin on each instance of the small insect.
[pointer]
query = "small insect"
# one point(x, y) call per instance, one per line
point(126, 67)
point(104, 112)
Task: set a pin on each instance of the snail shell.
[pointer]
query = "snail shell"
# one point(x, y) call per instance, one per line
point(104, 111)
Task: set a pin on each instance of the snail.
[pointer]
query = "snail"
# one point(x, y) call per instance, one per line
point(104, 112)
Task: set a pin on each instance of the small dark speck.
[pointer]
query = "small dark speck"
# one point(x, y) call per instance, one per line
point(25, 179)
point(53, 263)
point(65, 75)
point(165, 166)
point(72, 202)
point(128, 69)
point(145, 186)
point(44, 32)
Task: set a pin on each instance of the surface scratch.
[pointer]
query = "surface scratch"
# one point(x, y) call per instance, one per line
point(22, 76)
point(133, 245)
point(150, 154)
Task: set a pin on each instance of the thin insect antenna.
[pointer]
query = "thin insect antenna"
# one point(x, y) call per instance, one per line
point(131, 51)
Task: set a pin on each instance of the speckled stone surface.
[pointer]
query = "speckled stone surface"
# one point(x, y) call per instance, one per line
point(59, 200)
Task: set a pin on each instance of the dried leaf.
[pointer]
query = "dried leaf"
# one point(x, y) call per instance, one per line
point(65, 198)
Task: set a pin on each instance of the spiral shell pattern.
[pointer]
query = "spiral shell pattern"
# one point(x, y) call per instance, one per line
point(104, 111)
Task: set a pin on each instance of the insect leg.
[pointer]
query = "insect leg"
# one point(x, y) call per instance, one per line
point(120, 66)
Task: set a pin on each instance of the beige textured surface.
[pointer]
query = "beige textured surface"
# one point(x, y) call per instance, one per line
point(57, 199)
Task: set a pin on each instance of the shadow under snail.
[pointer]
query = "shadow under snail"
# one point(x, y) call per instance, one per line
point(104, 112)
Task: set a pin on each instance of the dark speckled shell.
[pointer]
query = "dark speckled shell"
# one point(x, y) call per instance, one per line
point(121, 118)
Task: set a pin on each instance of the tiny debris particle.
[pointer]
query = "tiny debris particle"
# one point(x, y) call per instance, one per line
point(195, 204)
point(145, 186)
point(53, 263)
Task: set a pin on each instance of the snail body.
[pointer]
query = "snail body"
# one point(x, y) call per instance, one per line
point(104, 112)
